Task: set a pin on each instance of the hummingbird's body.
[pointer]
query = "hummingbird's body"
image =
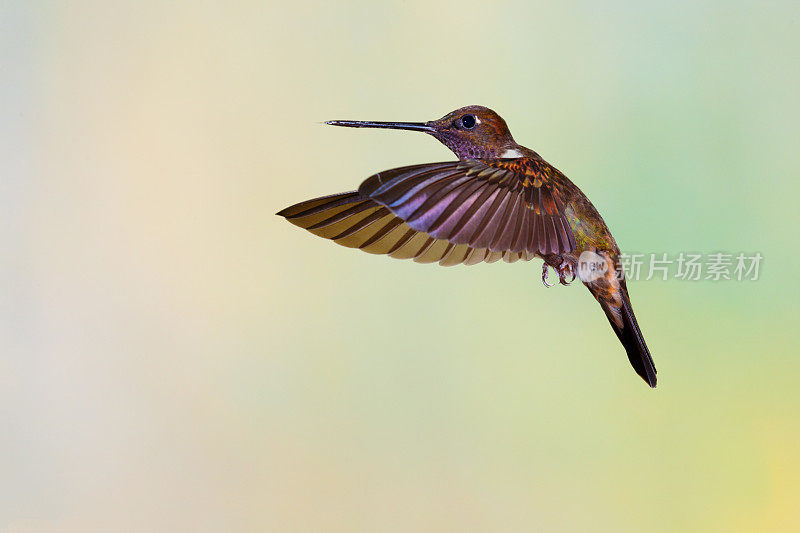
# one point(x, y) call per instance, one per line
point(499, 200)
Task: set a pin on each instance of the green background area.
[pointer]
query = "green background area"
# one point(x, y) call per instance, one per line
point(173, 356)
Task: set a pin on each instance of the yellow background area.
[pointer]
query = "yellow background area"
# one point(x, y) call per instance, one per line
point(175, 357)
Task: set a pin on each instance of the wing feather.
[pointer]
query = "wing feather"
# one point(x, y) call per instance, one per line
point(460, 212)
point(483, 204)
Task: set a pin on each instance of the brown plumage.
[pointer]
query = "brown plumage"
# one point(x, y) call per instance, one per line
point(500, 200)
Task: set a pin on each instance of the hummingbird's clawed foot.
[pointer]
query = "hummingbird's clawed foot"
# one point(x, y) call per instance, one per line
point(544, 275)
point(563, 267)
point(565, 270)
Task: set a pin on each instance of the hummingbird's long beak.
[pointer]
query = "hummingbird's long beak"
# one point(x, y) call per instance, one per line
point(413, 126)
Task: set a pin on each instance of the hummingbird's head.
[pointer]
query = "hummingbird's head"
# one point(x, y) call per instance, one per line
point(471, 132)
point(475, 132)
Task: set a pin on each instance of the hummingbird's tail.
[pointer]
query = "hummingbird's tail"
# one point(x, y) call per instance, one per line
point(613, 298)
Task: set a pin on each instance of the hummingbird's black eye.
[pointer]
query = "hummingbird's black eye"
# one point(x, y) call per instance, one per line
point(468, 121)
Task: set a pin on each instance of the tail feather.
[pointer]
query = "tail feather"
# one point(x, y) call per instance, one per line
point(614, 300)
point(631, 338)
point(611, 292)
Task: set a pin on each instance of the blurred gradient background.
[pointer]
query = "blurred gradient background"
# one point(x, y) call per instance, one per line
point(174, 357)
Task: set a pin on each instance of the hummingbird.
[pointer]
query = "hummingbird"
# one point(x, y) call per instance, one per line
point(499, 200)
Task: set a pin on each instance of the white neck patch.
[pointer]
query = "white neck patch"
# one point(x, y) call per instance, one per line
point(510, 153)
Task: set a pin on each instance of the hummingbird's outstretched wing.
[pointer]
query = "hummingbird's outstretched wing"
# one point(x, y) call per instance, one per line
point(454, 212)
point(502, 205)
point(351, 220)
